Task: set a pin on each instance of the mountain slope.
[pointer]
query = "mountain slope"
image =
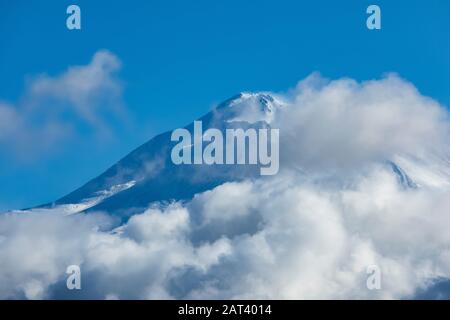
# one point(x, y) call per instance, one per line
point(150, 175)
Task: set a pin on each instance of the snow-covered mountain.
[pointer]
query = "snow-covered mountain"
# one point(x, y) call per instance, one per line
point(148, 174)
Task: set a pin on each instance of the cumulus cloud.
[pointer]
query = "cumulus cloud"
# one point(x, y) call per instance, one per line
point(343, 123)
point(352, 193)
point(135, 260)
point(306, 242)
point(54, 108)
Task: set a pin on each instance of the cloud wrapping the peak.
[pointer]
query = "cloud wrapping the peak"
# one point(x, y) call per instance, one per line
point(343, 123)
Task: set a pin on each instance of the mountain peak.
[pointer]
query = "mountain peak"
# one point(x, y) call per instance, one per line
point(250, 107)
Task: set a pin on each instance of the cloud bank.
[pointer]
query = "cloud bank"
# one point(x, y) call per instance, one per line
point(364, 180)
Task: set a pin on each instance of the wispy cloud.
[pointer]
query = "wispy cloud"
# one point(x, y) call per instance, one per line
point(85, 98)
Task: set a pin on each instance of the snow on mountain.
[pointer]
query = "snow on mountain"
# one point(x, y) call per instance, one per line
point(148, 175)
point(252, 108)
point(84, 204)
point(156, 178)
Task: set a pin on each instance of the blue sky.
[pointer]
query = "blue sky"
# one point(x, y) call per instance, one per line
point(179, 58)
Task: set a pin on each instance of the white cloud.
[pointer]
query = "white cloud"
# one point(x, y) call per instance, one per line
point(134, 261)
point(311, 242)
point(344, 123)
point(85, 89)
point(54, 108)
point(212, 206)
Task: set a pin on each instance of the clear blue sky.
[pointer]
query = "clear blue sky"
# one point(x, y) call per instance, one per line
point(181, 57)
